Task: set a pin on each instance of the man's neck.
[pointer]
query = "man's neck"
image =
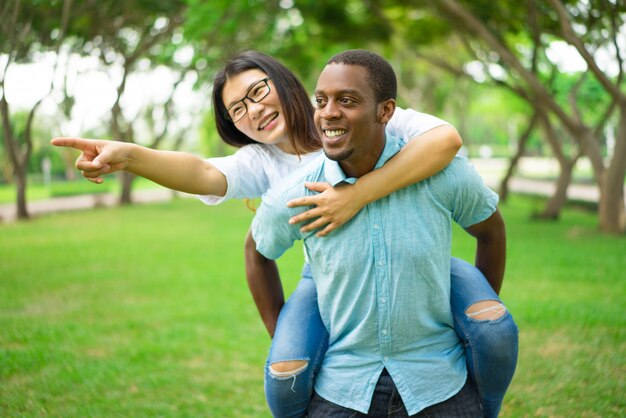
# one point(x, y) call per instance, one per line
point(363, 160)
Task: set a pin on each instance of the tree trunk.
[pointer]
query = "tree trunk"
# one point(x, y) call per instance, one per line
point(504, 184)
point(611, 210)
point(553, 206)
point(552, 210)
point(20, 190)
point(127, 183)
point(18, 160)
point(521, 148)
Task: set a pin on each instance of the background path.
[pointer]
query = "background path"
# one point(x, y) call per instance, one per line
point(490, 171)
point(80, 202)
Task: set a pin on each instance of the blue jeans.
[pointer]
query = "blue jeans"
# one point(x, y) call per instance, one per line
point(491, 345)
point(387, 403)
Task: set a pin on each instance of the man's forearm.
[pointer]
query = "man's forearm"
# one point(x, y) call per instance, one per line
point(264, 284)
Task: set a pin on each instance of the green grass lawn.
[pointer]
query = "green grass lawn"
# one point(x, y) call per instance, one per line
point(144, 311)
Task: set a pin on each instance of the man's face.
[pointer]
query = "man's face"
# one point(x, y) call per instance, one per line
point(348, 117)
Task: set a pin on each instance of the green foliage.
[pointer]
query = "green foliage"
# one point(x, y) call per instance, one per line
point(211, 145)
point(104, 22)
point(339, 21)
point(334, 26)
point(219, 29)
point(17, 128)
point(36, 23)
point(41, 148)
point(148, 314)
point(495, 118)
point(591, 98)
point(305, 33)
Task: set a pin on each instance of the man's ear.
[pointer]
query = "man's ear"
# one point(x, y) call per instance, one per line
point(385, 110)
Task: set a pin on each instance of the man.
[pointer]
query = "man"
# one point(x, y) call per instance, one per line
point(383, 279)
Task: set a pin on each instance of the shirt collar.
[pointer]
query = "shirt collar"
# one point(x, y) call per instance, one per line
point(335, 175)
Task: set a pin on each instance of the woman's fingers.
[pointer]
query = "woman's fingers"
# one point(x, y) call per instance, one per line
point(310, 200)
point(305, 216)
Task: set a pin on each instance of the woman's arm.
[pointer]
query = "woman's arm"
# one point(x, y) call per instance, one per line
point(490, 237)
point(175, 170)
point(419, 159)
point(264, 284)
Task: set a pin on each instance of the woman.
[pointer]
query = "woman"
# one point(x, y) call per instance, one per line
point(261, 107)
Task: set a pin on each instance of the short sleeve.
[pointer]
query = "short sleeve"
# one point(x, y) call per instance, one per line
point(244, 172)
point(472, 201)
point(270, 227)
point(408, 123)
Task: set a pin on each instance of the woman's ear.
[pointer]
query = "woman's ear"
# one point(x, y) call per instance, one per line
point(385, 110)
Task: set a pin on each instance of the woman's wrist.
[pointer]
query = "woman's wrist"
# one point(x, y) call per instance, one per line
point(132, 156)
point(362, 194)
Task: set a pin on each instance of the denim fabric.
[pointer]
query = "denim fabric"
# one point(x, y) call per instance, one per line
point(387, 403)
point(491, 346)
point(299, 335)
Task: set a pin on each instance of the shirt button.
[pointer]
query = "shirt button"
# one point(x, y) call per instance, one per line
point(385, 359)
point(375, 226)
point(384, 332)
point(380, 263)
point(383, 300)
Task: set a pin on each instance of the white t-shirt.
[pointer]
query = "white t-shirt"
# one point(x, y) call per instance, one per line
point(255, 168)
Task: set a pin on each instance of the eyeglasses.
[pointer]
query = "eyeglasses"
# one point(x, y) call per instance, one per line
point(257, 92)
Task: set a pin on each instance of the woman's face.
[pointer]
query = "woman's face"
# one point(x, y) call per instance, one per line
point(264, 121)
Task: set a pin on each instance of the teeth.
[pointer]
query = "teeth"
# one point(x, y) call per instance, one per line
point(335, 133)
point(267, 121)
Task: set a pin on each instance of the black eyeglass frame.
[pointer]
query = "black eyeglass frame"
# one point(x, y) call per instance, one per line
point(243, 99)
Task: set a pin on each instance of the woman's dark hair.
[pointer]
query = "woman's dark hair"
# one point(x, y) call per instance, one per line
point(297, 107)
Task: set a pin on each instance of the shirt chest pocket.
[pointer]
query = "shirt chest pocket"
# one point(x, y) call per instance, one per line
point(344, 253)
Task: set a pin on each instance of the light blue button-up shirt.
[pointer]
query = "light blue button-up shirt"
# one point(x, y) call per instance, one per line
point(383, 281)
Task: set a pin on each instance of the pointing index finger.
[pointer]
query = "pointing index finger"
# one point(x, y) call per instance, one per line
point(62, 141)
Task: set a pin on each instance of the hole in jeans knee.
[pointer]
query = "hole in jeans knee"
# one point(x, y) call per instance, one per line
point(288, 368)
point(486, 310)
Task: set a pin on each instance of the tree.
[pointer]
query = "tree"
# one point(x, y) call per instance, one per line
point(25, 30)
point(512, 41)
point(209, 30)
point(123, 34)
point(603, 23)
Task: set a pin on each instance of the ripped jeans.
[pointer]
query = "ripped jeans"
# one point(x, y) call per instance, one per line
point(488, 333)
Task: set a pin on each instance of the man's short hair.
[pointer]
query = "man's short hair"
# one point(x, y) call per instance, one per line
point(382, 75)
